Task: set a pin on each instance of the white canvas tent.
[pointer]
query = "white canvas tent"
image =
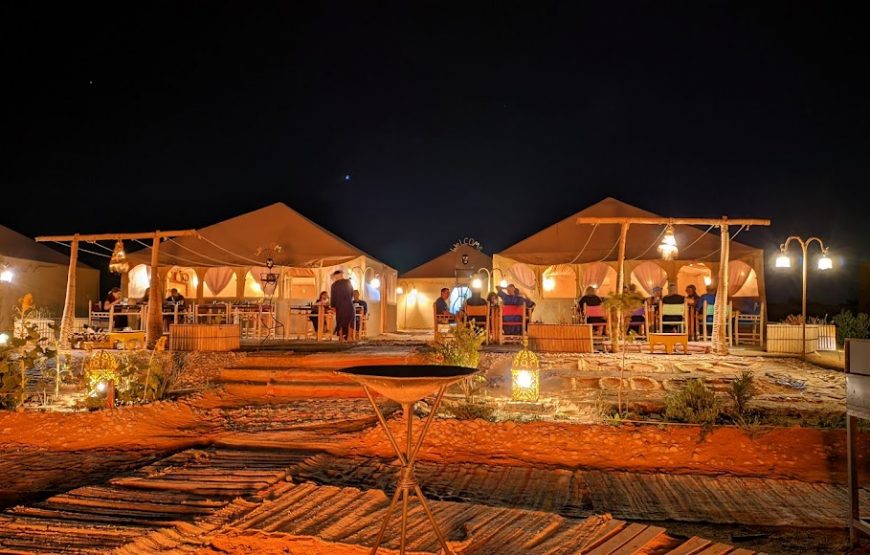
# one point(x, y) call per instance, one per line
point(226, 261)
point(569, 257)
point(420, 286)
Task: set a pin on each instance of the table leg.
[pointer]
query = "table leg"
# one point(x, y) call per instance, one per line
point(387, 517)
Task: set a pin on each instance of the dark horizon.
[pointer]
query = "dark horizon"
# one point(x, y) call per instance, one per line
point(405, 128)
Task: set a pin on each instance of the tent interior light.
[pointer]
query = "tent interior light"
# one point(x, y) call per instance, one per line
point(118, 263)
point(6, 276)
point(400, 291)
point(783, 261)
point(825, 263)
point(668, 246)
point(4, 338)
point(503, 283)
point(708, 280)
point(549, 283)
point(375, 282)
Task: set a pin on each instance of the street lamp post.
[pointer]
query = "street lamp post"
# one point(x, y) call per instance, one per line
point(783, 261)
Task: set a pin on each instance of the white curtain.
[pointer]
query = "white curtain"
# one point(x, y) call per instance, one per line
point(592, 275)
point(650, 275)
point(218, 278)
point(523, 277)
point(738, 273)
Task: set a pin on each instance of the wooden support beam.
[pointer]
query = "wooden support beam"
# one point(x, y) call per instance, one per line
point(117, 236)
point(67, 321)
point(155, 297)
point(720, 308)
point(663, 221)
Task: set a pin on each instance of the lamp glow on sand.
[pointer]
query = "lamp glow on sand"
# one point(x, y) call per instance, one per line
point(407, 385)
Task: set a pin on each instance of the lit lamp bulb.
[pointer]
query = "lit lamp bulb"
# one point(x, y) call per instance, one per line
point(668, 246)
point(6, 276)
point(524, 379)
point(4, 338)
point(101, 387)
point(503, 283)
point(476, 283)
point(353, 282)
point(825, 263)
point(414, 292)
point(376, 282)
point(783, 261)
point(708, 280)
point(400, 291)
point(549, 284)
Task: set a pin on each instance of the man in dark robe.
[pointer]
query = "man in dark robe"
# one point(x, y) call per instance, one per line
point(341, 299)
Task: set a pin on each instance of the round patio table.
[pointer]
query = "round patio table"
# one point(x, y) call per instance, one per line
point(407, 385)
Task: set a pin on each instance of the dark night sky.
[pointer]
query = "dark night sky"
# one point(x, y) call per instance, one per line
point(483, 119)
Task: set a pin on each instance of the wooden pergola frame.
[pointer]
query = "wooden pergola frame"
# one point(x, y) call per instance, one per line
point(155, 322)
point(720, 343)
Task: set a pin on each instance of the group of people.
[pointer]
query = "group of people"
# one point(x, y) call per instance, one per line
point(508, 296)
point(694, 302)
point(114, 298)
point(342, 300)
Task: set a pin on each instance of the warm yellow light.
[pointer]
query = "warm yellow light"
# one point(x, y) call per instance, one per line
point(825, 263)
point(256, 287)
point(101, 387)
point(6, 276)
point(524, 379)
point(353, 282)
point(503, 283)
point(194, 281)
point(4, 338)
point(376, 283)
point(668, 246)
point(118, 262)
point(399, 291)
point(476, 283)
point(708, 280)
point(783, 261)
point(414, 292)
point(549, 284)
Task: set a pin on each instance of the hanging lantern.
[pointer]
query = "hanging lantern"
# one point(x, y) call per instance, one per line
point(118, 263)
point(668, 246)
point(525, 375)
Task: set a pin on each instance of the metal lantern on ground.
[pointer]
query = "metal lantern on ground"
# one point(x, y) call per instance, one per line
point(668, 246)
point(101, 371)
point(525, 375)
point(118, 263)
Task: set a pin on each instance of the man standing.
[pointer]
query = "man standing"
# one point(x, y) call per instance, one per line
point(341, 299)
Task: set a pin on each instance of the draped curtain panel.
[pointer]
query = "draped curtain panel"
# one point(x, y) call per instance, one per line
point(592, 275)
point(523, 277)
point(650, 275)
point(218, 278)
point(738, 273)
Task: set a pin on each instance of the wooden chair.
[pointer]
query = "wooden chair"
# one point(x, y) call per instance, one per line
point(512, 323)
point(444, 324)
point(635, 322)
point(98, 318)
point(754, 323)
point(677, 317)
point(707, 322)
point(597, 317)
point(360, 327)
point(479, 314)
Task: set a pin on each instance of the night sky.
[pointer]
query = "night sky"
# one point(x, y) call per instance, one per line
point(406, 127)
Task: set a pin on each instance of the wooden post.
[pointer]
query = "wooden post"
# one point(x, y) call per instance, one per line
point(620, 286)
point(155, 297)
point(720, 309)
point(67, 321)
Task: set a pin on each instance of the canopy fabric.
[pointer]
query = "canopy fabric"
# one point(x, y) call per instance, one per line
point(446, 265)
point(568, 242)
point(16, 245)
point(275, 231)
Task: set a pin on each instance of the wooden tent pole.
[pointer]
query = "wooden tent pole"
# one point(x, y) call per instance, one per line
point(720, 309)
point(155, 297)
point(67, 321)
point(620, 280)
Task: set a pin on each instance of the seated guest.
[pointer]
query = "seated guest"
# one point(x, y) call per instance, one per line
point(672, 298)
point(589, 298)
point(511, 296)
point(113, 298)
point(441, 306)
point(363, 308)
point(175, 297)
point(476, 299)
point(322, 303)
point(693, 303)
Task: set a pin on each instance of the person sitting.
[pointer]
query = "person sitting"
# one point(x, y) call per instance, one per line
point(175, 297)
point(441, 306)
point(476, 299)
point(708, 299)
point(511, 296)
point(588, 299)
point(321, 304)
point(361, 308)
point(113, 298)
point(672, 298)
point(693, 305)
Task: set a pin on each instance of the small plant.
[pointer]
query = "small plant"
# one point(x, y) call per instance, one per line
point(793, 320)
point(741, 391)
point(620, 307)
point(851, 326)
point(25, 351)
point(470, 411)
point(463, 350)
point(694, 404)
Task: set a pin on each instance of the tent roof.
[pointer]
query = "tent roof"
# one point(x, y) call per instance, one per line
point(16, 245)
point(445, 265)
point(568, 242)
point(276, 230)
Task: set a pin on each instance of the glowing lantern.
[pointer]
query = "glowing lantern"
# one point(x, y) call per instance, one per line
point(825, 263)
point(476, 283)
point(783, 261)
point(549, 283)
point(708, 280)
point(4, 338)
point(375, 282)
point(118, 263)
point(6, 276)
point(503, 283)
point(668, 246)
point(400, 291)
point(525, 375)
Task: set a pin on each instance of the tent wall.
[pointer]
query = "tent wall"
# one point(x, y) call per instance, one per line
point(47, 283)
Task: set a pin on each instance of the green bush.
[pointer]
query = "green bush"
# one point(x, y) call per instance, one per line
point(694, 404)
point(463, 349)
point(741, 391)
point(850, 326)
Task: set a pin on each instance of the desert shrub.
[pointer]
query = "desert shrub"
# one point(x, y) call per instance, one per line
point(463, 350)
point(23, 352)
point(851, 326)
point(793, 320)
point(741, 391)
point(694, 404)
